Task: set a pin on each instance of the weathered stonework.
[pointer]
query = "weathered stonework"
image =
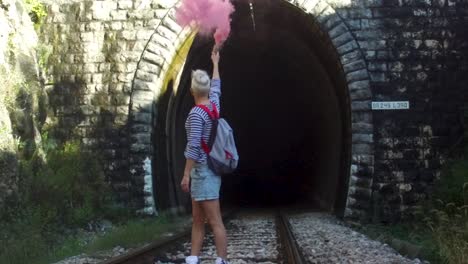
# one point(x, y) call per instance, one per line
point(415, 51)
point(109, 69)
point(97, 47)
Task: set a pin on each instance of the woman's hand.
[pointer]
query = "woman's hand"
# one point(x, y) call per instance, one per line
point(215, 60)
point(215, 55)
point(186, 179)
point(185, 183)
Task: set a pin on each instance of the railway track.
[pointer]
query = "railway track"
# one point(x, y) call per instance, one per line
point(253, 237)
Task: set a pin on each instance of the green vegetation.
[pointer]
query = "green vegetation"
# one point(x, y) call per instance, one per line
point(134, 232)
point(9, 88)
point(62, 190)
point(439, 226)
point(447, 214)
point(69, 185)
point(63, 187)
point(414, 234)
point(10, 84)
point(33, 247)
point(37, 11)
point(43, 53)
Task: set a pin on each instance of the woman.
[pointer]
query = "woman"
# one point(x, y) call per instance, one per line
point(204, 183)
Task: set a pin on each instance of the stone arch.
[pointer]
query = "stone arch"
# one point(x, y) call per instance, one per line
point(163, 47)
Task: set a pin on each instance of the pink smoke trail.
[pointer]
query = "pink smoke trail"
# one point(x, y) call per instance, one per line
point(207, 16)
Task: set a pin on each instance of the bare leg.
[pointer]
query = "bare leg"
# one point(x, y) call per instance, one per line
point(213, 213)
point(198, 228)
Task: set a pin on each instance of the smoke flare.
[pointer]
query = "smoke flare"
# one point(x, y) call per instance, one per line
point(209, 16)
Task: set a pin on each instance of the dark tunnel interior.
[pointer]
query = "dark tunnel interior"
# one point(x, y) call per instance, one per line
point(284, 94)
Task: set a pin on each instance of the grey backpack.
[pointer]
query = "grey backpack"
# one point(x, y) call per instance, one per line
point(221, 148)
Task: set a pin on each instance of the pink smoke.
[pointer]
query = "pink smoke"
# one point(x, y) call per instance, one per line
point(207, 16)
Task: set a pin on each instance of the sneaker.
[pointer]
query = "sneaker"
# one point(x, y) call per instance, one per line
point(192, 260)
point(221, 261)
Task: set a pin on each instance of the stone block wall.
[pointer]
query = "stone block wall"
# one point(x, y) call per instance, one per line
point(414, 50)
point(96, 49)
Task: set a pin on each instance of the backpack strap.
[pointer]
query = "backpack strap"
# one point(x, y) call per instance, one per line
point(214, 115)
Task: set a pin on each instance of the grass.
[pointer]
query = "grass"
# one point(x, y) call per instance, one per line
point(62, 189)
point(416, 235)
point(32, 247)
point(440, 225)
point(134, 233)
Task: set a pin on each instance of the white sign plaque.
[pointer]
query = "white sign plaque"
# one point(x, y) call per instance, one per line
point(397, 105)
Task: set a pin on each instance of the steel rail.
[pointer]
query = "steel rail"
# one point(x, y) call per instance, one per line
point(145, 254)
point(289, 244)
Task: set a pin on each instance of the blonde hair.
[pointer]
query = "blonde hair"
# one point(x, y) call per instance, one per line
point(200, 82)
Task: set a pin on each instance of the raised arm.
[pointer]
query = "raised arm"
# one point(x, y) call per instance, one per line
point(215, 60)
point(215, 91)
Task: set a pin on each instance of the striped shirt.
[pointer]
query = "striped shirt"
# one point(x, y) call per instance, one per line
point(198, 125)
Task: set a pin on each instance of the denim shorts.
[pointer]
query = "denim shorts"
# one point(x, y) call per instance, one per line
point(204, 183)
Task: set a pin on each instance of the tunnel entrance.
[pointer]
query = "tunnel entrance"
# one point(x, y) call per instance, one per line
point(285, 95)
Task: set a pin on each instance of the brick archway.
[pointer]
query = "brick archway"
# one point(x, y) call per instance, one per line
point(155, 65)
